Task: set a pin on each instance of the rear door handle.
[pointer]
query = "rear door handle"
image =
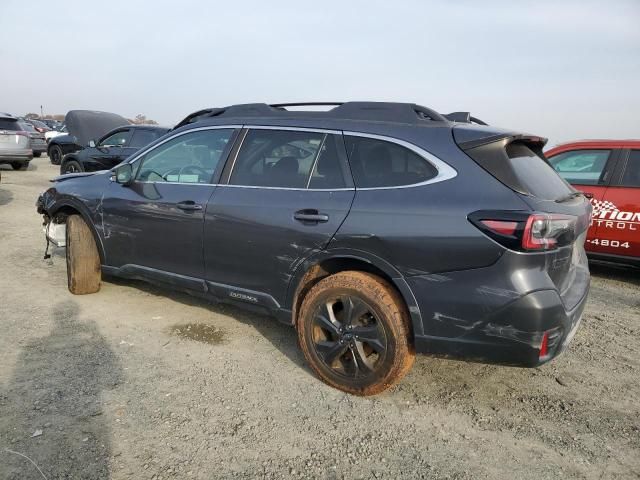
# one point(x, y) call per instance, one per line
point(189, 206)
point(311, 216)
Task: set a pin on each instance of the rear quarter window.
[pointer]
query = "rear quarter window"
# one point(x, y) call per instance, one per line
point(378, 163)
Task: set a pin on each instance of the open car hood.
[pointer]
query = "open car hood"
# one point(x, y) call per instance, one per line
point(88, 125)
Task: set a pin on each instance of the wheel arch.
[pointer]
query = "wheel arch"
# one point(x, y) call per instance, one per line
point(69, 207)
point(321, 265)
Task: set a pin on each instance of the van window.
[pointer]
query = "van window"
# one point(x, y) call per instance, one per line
point(378, 163)
point(581, 167)
point(631, 177)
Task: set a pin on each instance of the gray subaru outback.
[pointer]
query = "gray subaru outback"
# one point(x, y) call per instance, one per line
point(377, 230)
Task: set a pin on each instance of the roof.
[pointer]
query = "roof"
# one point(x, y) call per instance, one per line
point(595, 144)
point(405, 113)
point(147, 126)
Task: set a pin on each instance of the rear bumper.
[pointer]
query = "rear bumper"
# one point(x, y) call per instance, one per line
point(513, 335)
point(501, 313)
point(20, 156)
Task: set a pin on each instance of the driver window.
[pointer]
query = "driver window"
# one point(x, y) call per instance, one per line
point(189, 158)
point(118, 139)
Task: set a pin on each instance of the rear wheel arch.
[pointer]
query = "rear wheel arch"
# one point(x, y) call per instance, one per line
point(312, 271)
point(60, 213)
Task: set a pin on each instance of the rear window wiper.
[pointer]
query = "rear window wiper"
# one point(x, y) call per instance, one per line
point(573, 195)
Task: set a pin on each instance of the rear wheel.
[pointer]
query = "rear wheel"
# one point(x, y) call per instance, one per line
point(55, 154)
point(354, 332)
point(83, 260)
point(72, 166)
point(37, 154)
point(20, 165)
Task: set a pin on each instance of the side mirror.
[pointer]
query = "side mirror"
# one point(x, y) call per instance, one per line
point(92, 143)
point(124, 174)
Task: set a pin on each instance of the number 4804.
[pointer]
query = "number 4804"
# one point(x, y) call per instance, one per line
point(609, 243)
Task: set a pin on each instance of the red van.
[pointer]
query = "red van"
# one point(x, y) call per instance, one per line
point(610, 171)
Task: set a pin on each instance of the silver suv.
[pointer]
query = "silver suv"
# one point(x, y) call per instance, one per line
point(15, 143)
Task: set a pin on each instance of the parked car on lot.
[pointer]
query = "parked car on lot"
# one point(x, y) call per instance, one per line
point(83, 126)
point(15, 144)
point(55, 133)
point(39, 126)
point(53, 124)
point(609, 172)
point(376, 229)
point(38, 143)
point(111, 149)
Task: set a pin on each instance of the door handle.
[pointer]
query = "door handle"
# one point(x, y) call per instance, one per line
point(310, 215)
point(189, 206)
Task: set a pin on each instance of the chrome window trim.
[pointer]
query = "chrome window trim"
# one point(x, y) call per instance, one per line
point(315, 160)
point(289, 188)
point(445, 171)
point(299, 129)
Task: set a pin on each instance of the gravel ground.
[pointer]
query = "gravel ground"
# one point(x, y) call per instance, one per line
point(136, 382)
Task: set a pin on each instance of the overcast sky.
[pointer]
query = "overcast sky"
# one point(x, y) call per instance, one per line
point(561, 69)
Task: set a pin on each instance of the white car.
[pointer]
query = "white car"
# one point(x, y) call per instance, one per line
point(54, 133)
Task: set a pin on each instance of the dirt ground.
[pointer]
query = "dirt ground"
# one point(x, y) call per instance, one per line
point(137, 382)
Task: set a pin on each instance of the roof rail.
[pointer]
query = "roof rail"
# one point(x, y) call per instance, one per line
point(463, 117)
point(305, 104)
point(372, 111)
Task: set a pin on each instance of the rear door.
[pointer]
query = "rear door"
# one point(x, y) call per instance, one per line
point(590, 171)
point(618, 215)
point(285, 193)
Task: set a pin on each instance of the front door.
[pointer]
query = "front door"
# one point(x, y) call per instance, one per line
point(287, 194)
point(156, 223)
point(108, 152)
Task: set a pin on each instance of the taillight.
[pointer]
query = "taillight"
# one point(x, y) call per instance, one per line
point(526, 231)
point(22, 133)
point(543, 231)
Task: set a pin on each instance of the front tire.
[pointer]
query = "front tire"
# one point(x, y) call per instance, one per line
point(355, 333)
point(55, 154)
point(83, 259)
point(71, 166)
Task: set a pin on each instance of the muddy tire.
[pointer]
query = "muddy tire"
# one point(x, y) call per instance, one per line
point(83, 259)
point(354, 331)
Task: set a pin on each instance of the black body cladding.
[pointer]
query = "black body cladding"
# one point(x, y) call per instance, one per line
point(195, 228)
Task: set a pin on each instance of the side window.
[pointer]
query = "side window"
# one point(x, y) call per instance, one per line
point(278, 158)
point(142, 138)
point(631, 177)
point(377, 163)
point(118, 139)
point(327, 172)
point(188, 158)
point(581, 167)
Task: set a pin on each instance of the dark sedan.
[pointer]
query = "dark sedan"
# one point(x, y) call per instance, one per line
point(111, 149)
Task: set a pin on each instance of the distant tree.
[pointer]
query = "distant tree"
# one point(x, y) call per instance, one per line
point(32, 116)
point(142, 120)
